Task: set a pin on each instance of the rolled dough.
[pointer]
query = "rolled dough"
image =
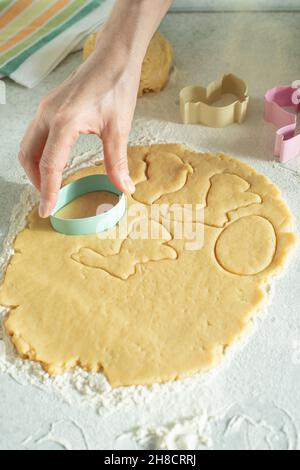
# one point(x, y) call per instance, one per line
point(156, 66)
point(145, 311)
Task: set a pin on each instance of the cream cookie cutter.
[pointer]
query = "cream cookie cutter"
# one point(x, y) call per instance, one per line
point(287, 142)
point(88, 225)
point(197, 102)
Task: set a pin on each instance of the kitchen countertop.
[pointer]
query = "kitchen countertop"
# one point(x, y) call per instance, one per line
point(253, 400)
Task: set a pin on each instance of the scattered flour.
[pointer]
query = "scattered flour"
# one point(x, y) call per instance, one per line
point(188, 434)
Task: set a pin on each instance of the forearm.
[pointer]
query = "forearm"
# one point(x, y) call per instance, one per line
point(130, 27)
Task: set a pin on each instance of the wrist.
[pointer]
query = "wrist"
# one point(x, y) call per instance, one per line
point(130, 27)
point(113, 50)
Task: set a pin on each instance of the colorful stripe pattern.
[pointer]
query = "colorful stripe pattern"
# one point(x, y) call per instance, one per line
point(28, 25)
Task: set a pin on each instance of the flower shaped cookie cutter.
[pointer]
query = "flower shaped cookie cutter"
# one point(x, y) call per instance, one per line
point(287, 143)
point(88, 225)
point(198, 105)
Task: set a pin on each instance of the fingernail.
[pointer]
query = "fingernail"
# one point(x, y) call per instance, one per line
point(128, 183)
point(44, 209)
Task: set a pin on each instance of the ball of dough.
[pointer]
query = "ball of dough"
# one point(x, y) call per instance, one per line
point(156, 65)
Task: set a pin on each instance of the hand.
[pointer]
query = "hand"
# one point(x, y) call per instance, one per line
point(99, 98)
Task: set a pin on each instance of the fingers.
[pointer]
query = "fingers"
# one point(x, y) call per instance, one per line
point(54, 159)
point(115, 157)
point(31, 150)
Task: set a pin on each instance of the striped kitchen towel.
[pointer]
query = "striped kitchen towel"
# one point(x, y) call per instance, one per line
point(35, 35)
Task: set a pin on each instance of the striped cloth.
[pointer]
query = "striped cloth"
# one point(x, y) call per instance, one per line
point(35, 35)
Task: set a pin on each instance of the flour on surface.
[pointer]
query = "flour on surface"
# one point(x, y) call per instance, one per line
point(189, 434)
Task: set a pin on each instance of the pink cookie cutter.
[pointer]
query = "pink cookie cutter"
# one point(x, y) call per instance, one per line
point(287, 143)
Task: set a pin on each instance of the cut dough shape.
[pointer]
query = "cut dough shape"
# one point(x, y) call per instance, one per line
point(247, 246)
point(146, 311)
point(166, 173)
point(227, 193)
point(132, 252)
point(156, 65)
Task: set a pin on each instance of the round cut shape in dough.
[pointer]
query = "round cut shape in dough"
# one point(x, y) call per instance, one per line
point(247, 246)
point(146, 310)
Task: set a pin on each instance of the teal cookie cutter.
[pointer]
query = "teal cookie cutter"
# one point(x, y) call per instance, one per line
point(88, 225)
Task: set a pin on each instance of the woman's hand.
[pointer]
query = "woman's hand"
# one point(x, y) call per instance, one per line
point(99, 98)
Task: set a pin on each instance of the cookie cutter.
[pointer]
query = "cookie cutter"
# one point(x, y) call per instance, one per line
point(287, 143)
point(197, 103)
point(88, 225)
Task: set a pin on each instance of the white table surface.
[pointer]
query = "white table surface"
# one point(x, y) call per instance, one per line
point(253, 401)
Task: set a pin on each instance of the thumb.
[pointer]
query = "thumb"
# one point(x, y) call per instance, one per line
point(115, 158)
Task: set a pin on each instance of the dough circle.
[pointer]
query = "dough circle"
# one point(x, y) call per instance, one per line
point(156, 66)
point(151, 310)
point(247, 246)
